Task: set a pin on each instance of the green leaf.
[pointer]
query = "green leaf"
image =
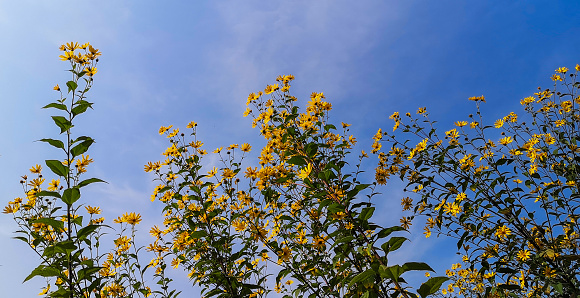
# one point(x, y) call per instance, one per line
point(63, 247)
point(57, 167)
point(198, 234)
point(44, 271)
point(81, 107)
point(393, 244)
point(366, 213)
point(81, 148)
point(558, 287)
point(62, 122)
point(297, 160)
point(21, 238)
point(89, 181)
point(416, 266)
point(71, 195)
point(72, 86)
point(431, 286)
point(45, 193)
point(87, 272)
point(392, 272)
point(387, 231)
point(55, 105)
point(55, 143)
point(83, 233)
point(57, 225)
point(369, 273)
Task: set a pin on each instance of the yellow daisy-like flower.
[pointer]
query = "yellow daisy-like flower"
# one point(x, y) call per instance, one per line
point(502, 232)
point(460, 123)
point(506, 140)
point(523, 255)
point(132, 218)
point(91, 71)
point(246, 147)
point(36, 169)
point(228, 174)
point(53, 185)
point(304, 173)
point(498, 123)
point(477, 98)
point(271, 88)
point(163, 129)
point(191, 124)
point(45, 290)
point(93, 210)
point(212, 172)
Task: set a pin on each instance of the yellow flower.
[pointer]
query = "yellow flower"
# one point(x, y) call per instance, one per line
point(123, 243)
point(577, 67)
point(427, 233)
point(405, 222)
point(71, 46)
point(271, 88)
point(191, 124)
point(498, 123)
point(527, 100)
point(53, 185)
point(56, 88)
point(523, 255)
point(562, 70)
point(502, 232)
point(285, 254)
point(305, 172)
point(460, 123)
point(319, 242)
point(152, 166)
point(163, 129)
point(93, 210)
point(212, 172)
point(132, 218)
point(36, 169)
point(228, 174)
point(91, 71)
point(477, 98)
point(67, 56)
point(45, 290)
point(246, 147)
point(171, 177)
point(533, 169)
point(339, 215)
point(556, 78)
point(506, 140)
point(489, 275)
point(407, 203)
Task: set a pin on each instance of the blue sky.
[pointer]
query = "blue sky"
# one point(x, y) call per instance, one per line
point(172, 62)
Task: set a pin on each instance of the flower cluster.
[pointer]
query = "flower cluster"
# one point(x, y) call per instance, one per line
point(507, 191)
